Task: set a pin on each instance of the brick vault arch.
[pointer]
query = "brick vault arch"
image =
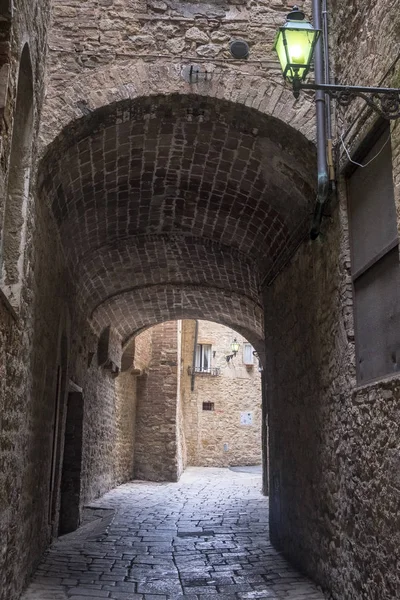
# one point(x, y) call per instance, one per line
point(90, 90)
point(175, 207)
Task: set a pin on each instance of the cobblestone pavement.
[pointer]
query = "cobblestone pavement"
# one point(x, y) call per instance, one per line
point(204, 538)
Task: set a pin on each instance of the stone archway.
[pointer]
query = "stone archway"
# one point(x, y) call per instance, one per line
point(177, 190)
point(177, 206)
point(172, 207)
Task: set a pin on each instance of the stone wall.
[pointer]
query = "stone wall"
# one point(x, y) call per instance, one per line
point(217, 438)
point(334, 446)
point(307, 395)
point(107, 52)
point(156, 452)
point(23, 527)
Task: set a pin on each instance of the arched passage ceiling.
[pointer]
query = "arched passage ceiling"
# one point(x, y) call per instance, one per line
point(176, 192)
point(155, 304)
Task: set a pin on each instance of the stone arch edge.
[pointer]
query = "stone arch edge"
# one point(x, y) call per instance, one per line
point(87, 93)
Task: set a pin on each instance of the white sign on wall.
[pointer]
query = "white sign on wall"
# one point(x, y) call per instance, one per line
point(246, 418)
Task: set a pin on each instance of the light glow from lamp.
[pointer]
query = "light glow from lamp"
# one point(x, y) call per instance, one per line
point(294, 44)
point(235, 346)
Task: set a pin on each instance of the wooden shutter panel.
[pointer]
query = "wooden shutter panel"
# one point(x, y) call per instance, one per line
point(372, 207)
point(375, 264)
point(377, 316)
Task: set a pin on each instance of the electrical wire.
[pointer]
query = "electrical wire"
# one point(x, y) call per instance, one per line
point(371, 160)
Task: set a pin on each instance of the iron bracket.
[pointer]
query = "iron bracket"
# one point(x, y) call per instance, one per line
point(384, 101)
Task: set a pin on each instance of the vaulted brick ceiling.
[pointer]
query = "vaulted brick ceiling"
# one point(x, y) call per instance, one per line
point(178, 191)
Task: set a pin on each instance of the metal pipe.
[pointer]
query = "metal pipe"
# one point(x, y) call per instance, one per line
point(327, 77)
point(323, 178)
point(196, 335)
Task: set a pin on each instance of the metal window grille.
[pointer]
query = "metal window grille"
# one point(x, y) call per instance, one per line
point(208, 405)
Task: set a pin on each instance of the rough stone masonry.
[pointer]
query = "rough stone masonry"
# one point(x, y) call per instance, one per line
point(141, 197)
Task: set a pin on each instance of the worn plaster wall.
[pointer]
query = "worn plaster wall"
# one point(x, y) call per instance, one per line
point(218, 438)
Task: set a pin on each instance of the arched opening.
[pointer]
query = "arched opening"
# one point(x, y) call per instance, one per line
point(193, 401)
point(176, 207)
point(17, 196)
point(171, 208)
point(5, 48)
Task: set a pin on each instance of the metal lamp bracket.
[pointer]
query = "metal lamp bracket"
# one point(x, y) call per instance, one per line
point(384, 101)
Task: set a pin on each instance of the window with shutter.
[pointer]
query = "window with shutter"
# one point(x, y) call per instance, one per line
point(248, 356)
point(203, 358)
point(375, 264)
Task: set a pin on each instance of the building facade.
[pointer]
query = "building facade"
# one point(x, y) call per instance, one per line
point(222, 400)
point(147, 176)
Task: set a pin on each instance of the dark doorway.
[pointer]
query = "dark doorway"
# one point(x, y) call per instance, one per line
point(72, 463)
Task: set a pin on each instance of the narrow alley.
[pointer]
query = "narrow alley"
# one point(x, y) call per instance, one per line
point(202, 538)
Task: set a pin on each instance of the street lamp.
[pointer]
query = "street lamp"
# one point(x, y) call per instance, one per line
point(235, 346)
point(234, 349)
point(295, 44)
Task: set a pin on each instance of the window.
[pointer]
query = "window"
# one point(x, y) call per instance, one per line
point(203, 358)
point(208, 406)
point(248, 356)
point(375, 264)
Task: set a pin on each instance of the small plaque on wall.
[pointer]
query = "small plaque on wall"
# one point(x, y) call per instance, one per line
point(246, 418)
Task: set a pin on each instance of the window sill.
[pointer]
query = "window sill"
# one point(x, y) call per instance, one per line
point(373, 383)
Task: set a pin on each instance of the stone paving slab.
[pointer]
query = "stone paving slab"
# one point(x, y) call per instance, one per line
point(204, 538)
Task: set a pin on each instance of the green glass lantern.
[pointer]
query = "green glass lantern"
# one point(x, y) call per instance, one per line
point(294, 44)
point(235, 346)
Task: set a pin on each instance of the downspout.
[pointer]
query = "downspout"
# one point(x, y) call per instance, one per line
point(323, 177)
point(329, 149)
point(196, 335)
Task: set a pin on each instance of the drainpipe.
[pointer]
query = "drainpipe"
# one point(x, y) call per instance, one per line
point(196, 335)
point(329, 149)
point(323, 177)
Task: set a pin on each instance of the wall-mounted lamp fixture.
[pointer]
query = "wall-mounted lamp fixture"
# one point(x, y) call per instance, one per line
point(234, 349)
point(295, 45)
point(260, 367)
